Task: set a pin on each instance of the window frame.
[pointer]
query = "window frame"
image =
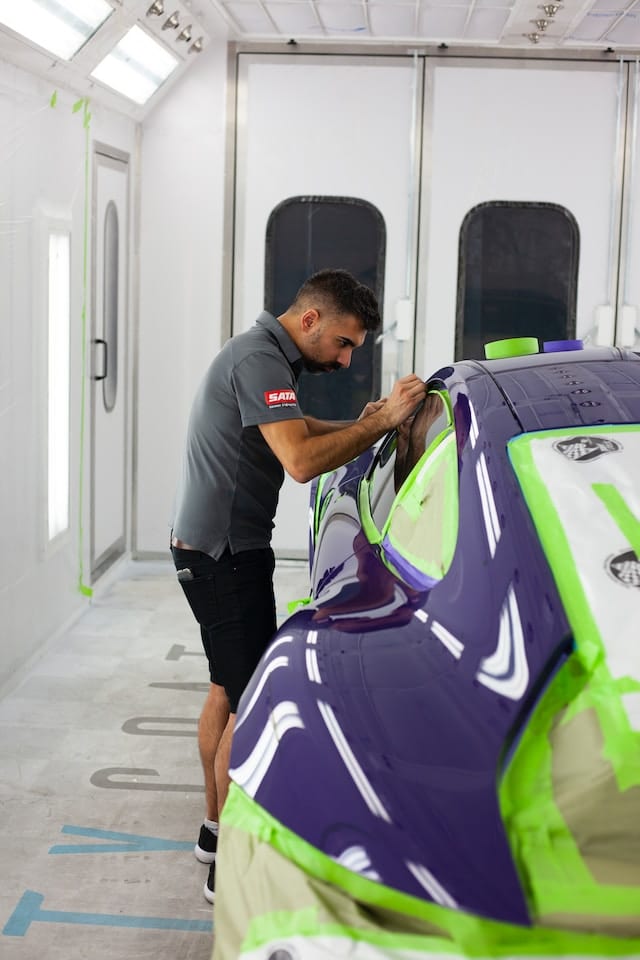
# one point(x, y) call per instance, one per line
point(569, 331)
point(279, 289)
point(391, 555)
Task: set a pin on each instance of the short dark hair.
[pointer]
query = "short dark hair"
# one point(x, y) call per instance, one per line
point(338, 290)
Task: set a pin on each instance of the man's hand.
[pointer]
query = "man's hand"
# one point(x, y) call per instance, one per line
point(372, 407)
point(405, 396)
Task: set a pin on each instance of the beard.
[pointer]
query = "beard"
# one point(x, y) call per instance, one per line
point(313, 366)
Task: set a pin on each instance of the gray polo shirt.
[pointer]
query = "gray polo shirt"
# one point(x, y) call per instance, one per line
point(230, 480)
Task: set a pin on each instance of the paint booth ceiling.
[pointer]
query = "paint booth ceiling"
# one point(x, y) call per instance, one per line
point(495, 23)
point(186, 28)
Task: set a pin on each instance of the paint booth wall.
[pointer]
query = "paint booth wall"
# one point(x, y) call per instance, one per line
point(182, 263)
point(43, 156)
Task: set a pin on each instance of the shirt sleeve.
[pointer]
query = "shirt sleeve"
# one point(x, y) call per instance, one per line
point(265, 389)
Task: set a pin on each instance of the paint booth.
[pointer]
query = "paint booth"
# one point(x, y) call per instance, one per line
point(471, 162)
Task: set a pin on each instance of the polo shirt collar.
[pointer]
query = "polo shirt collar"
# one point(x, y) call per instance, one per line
point(285, 342)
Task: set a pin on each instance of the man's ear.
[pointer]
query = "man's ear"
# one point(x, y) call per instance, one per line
point(309, 319)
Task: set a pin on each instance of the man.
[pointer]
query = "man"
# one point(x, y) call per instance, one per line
point(245, 427)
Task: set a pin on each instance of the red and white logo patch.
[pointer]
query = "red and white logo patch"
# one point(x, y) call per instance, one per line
point(280, 398)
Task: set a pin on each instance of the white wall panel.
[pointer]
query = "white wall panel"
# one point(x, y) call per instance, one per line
point(521, 132)
point(181, 276)
point(42, 164)
point(325, 127)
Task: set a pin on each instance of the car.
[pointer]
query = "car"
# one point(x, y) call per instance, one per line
point(439, 753)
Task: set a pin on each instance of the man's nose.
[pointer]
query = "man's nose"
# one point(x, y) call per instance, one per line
point(344, 357)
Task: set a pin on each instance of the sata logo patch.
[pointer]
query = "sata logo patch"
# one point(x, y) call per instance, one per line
point(280, 398)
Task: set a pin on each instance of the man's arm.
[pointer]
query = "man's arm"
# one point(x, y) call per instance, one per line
point(305, 455)
point(318, 428)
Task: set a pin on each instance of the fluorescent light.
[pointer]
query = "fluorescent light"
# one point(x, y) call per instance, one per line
point(58, 383)
point(136, 66)
point(59, 26)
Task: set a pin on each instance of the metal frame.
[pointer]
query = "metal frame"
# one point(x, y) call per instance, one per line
point(103, 154)
point(338, 55)
point(505, 60)
point(430, 59)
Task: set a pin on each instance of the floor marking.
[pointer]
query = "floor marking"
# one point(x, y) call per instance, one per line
point(136, 726)
point(124, 842)
point(178, 650)
point(102, 778)
point(28, 911)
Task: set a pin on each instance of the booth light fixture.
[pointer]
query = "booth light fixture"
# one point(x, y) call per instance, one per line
point(136, 66)
point(550, 9)
point(59, 26)
point(172, 22)
point(156, 9)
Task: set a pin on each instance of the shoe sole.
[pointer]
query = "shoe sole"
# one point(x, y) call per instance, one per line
point(209, 894)
point(204, 856)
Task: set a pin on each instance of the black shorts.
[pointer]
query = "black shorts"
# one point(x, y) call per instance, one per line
point(232, 600)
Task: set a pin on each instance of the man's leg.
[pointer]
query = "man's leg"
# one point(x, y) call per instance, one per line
point(248, 623)
point(222, 761)
point(198, 574)
point(211, 727)
point(249, 606)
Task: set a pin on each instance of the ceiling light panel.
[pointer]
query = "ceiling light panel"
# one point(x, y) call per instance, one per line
point(600, 19)
point(593, 28)
point(424, 6)
point(252, 18)
point(442, 23)
point(136, 66)
point(393, 20)
point(342, 19)
point(626, 32)
point(61, 27)
point(487, 24)
point(295, 19)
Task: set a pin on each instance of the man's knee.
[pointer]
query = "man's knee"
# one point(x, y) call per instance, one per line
point(217, 693)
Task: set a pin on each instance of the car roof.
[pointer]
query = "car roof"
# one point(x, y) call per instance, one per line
point(578, 388)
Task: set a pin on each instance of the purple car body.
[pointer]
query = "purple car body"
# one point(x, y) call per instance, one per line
point(381, 720)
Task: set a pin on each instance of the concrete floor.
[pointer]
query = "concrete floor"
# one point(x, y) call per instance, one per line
point(101, 789)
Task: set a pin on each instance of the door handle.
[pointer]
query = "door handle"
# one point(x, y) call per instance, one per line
point(105, 357)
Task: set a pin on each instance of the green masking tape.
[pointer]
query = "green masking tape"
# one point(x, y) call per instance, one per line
point(513, 347)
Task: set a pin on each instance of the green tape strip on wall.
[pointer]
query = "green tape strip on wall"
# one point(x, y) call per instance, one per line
point(82, 105)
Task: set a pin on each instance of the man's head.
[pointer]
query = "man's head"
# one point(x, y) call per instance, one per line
point(330, 317)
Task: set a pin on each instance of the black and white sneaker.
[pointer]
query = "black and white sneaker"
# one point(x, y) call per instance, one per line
point(209, 887)
point(205, 848)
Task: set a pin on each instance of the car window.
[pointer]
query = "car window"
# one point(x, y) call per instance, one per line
point(416, 436)
point(420, 535)
point(397, 457)
point(409, 499)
